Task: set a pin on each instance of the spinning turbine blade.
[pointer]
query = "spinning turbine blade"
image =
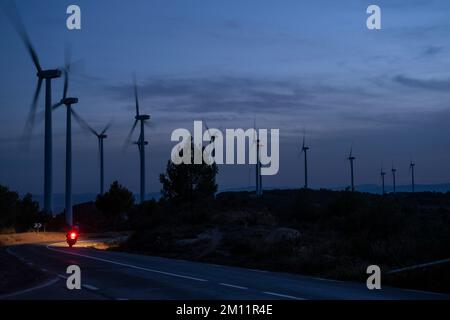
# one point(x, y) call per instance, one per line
point(67, 58)
point(82, 123)
point(106, 128)
point(32, 114)
point(66, 83)
point(18, 24)
point(136, 94)
point(127, 141)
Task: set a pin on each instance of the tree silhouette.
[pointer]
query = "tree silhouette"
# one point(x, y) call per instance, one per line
point(189, 182)
point(115, 203)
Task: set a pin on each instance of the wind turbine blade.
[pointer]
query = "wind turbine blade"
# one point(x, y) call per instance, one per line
point(106, 128)
point(213, 138)
point(127, 141)
point(66, 83)
point(67, 66)
point(149, 124)
point(83, 124)
point(56, 106)
point(206, 124)
point(67, 57)
point(31, 115)
point(18, 24)
point(136, 94)
point(254, 133)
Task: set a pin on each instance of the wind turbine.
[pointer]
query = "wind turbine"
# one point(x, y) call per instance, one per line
point(351, 158)
point(47, 75)
point(411, 169)
point(383, 174)
point(305, 149)
point(68, 102)
point(393, 170)
point(101, 136)
point(141, 143)
point(258, 176)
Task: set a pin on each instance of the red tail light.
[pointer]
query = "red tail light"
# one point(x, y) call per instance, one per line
point(73, 235)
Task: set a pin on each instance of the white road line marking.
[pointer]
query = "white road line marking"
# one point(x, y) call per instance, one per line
point(44, 270)
point(422, 265)
point(424, 292)
point(233, 286)
point(129, 265)
point(46, 284)
point(256, 270)
point(87, 286)
point(330, 280)
point(282, 295)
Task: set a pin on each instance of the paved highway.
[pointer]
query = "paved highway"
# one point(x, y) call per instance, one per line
point(124, 276)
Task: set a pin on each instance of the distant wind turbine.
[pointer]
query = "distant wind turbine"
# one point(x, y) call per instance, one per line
point(258, 175)
point(305, 149)
point(393, 170)
point(411, 169)
point(383, 174)
point(351, 158)
point(101, 136)
point(141, 143)
point(42, 75)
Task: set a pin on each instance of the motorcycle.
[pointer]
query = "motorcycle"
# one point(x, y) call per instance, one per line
point(72, 238)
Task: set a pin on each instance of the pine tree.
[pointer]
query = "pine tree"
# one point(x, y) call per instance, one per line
point(189, 182)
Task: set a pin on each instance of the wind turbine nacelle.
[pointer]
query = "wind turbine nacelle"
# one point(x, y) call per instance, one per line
point(139, 143)
point(143, 117)
point(102, 136)
point(49, 74)
point(69, 101)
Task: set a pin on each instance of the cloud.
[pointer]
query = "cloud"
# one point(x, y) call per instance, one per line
point(429, 84)
point(433, 50)
point(222, 95)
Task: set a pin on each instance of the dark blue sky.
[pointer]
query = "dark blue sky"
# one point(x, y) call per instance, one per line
point(289, 64)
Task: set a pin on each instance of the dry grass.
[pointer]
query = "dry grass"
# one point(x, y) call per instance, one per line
point(102, 241)
point(30, 237)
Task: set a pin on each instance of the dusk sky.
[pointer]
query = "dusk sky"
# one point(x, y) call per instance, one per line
point(292, 65)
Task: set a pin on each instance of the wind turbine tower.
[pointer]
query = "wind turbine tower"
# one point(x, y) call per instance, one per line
point(141, 143)
point(68, 102)
point(351, 158)
point(47, 75)
point(258, 176)
point(305, 149)
point(101, 136)
point(394, 171)
point(411, 168)
point(383, 174)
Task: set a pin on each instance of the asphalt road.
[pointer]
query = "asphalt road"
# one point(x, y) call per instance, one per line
point(124, 276)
